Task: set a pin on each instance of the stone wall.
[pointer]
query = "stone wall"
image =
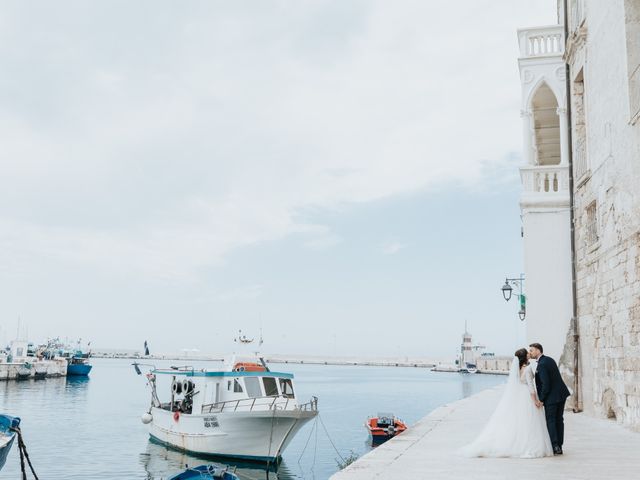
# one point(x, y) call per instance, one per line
point(607, 215)
point(492, 364)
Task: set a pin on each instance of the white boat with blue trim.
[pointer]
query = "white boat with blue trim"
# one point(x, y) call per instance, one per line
point(243, 411)
point(8, 428)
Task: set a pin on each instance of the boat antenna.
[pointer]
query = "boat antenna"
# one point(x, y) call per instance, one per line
point(264, 364)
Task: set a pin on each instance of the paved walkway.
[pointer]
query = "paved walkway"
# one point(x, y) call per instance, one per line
point(594, 449)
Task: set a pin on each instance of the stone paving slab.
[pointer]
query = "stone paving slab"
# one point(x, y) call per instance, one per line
point(594, 449)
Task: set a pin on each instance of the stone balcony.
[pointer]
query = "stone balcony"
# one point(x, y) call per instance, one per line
point(545, 186)
point(541, 42)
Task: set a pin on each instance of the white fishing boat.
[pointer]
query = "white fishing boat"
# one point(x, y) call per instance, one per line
point(241, 411)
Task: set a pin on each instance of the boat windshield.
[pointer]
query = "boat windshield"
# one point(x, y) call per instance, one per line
point(234, 387)
point(270, 387)
point(252, 385)
point(286, 387)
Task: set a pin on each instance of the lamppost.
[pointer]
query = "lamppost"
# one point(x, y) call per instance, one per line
point(507, 290)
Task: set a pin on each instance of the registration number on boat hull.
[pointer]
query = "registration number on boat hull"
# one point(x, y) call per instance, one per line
point(211, 422)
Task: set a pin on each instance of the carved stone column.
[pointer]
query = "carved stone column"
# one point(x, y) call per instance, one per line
point(564, 135)
point(527, 137)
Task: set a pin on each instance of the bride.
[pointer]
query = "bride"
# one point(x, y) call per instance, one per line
point(518, 427)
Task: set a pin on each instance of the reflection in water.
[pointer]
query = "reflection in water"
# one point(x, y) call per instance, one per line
point(160, 462)
point(14, 392)
point(77, 382)
point(467, 384)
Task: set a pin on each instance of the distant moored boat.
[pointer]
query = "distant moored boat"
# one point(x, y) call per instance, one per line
point(78, 364)
point(24, 372)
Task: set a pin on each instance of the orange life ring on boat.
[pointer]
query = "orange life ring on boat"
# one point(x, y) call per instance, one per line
point(176, 416)
point(248, 367)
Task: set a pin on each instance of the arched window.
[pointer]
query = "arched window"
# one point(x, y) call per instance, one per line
point(544, 107)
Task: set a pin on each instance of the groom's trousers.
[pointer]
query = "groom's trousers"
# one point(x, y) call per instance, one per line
point(554, 413)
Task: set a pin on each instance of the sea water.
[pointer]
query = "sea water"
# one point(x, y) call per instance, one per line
point(80, 428)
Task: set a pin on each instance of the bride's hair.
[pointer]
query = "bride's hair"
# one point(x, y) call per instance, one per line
point(522, 356)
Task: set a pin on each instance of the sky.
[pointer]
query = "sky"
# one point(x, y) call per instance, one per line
point(340, 174)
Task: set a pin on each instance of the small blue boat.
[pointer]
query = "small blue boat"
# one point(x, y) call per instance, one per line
point(79, 369)
point(78, 364)
point(208, 472)
point(7, 436)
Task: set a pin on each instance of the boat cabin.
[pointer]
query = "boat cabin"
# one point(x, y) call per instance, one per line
point(200, 391)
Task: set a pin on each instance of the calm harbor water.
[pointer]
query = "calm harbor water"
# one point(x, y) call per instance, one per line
point(90, 428)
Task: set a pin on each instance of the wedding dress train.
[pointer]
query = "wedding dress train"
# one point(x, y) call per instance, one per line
point(517, 428)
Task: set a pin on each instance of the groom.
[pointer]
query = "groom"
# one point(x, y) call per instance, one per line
point(552, 393)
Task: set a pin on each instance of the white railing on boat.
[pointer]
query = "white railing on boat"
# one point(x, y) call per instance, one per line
point(258, 403)
point(310, 406)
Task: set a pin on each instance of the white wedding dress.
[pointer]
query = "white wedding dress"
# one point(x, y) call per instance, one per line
point(517, 428)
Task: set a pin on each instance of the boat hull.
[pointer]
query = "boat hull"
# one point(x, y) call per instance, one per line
point(79, 370)
point(5, 447)
point(7, 436)
point(380, 433)
point(255, 435)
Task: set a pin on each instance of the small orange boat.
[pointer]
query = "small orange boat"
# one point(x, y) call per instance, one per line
point(249, 367)
point(383, 427)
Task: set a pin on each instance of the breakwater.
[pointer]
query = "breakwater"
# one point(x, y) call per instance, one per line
point(36, 369)
point(417, 362)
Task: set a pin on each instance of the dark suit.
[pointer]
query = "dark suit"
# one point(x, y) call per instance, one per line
point(553, 393)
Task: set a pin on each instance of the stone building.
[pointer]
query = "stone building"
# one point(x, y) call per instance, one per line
point(585, 152)
point(489, 363)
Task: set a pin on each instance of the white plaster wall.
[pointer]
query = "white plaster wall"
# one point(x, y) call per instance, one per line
point(547, 254)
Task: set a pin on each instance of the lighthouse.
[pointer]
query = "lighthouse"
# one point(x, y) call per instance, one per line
point(466, 350)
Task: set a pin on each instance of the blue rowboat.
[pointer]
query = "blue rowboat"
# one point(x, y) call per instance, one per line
point(7, 436)
point(206, 472)
point(79, 369)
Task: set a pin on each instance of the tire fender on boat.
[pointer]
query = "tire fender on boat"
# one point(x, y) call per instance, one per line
point(187, 386)
point(176, 387)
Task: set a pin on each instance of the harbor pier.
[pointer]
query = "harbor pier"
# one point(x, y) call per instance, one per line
point(16, 363)
point(41, 368)
point(594, 449)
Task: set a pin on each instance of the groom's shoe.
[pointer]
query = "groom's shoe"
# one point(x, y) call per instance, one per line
point(557, 450)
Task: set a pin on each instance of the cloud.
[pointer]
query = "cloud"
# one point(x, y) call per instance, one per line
point(391, 248)
point(157, 137)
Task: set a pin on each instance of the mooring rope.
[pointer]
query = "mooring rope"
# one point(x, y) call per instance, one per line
point(23, 454)
point(273, 414)
point(329, 437)
point(315, 451)
point(313, 427)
